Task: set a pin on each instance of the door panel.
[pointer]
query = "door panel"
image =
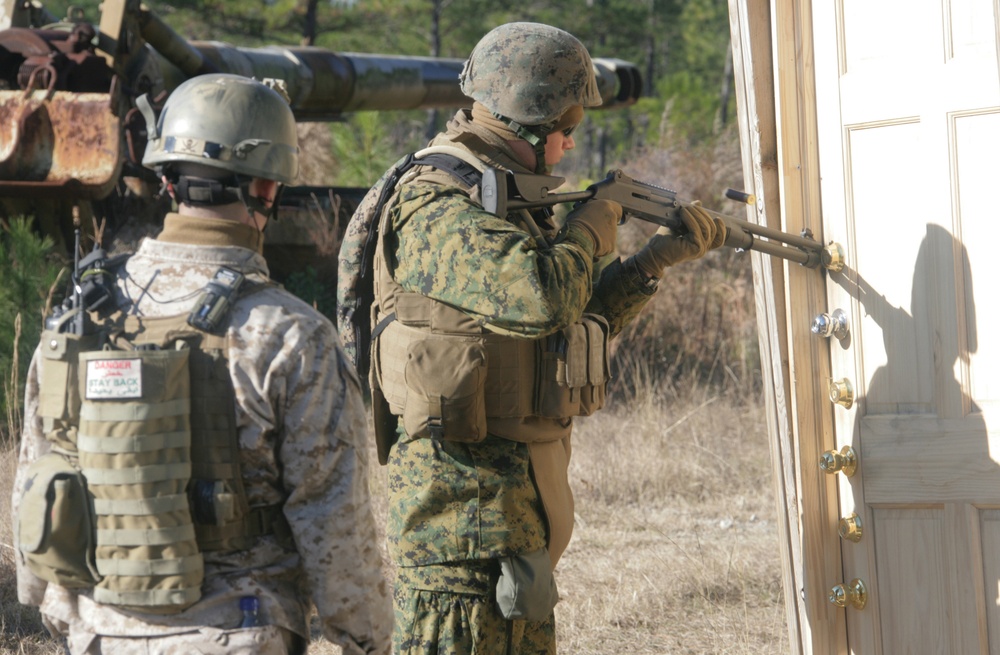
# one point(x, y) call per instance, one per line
point(909, 133)
point(887, 156)
point(909, 537)
point(990, 530)
point(977, 150)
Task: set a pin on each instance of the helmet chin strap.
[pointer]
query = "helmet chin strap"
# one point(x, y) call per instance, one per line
point(533, 134)
point(255, 205)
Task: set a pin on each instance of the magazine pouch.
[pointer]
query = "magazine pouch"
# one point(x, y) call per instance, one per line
point(573, 370)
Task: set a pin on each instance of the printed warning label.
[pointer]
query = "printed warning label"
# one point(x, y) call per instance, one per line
point(114, 378)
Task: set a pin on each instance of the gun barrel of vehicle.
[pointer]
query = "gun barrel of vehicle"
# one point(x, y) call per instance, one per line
point(323, 84)
point(619, 82)
point(172, 46)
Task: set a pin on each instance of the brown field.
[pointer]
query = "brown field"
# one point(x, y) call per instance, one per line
point(675, 550)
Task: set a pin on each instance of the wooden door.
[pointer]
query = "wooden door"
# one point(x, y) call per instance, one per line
point(908, 113)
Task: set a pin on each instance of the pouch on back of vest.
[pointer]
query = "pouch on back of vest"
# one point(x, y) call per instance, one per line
point(55, 530)
point(134, 442)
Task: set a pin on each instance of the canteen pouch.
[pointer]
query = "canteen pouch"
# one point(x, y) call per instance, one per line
point(445, 389)
point(573, 370)
point(55, 524)
point(526, 588)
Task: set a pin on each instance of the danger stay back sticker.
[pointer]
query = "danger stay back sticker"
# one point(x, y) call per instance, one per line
point(114, 378)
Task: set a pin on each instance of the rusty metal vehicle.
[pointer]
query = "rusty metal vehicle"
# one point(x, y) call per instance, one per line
point(71, 137)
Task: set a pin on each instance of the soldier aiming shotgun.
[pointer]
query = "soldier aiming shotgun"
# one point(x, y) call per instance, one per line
point(487, 331)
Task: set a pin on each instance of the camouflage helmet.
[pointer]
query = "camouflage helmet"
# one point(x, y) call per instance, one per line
point(530, 73)
point(227, 122)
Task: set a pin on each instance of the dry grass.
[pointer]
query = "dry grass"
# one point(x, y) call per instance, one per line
point(675, 549)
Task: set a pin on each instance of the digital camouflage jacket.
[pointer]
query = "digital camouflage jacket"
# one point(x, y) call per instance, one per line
point(453, 501)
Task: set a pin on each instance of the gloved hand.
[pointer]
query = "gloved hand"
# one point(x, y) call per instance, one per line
point(599, 218)
point(664, 249)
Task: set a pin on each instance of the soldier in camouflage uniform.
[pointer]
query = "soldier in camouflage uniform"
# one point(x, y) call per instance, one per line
point(489, 334)
point(299, 413)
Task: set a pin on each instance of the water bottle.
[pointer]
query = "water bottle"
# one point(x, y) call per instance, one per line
point(250, 606)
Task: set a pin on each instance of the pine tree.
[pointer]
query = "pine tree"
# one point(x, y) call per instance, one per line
point(29, 270)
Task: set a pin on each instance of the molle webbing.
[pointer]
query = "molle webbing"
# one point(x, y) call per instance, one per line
point(134, 445)
point(143, 411)
point(223, 519)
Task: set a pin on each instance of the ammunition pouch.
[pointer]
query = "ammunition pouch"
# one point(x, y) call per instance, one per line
point(446, 382)
point(573, 369)
point(55, 529)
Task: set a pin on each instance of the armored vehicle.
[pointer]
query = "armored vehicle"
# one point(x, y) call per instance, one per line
point(72, 135)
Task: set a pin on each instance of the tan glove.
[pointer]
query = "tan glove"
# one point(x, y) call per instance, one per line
point(599, 218)
point(704, 233)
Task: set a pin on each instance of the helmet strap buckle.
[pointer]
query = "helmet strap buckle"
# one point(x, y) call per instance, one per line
point(201, 191)
point(536, 135)
point(521, 131)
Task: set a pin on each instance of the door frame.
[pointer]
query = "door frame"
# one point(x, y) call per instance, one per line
point(778, 58)
point(774, 71)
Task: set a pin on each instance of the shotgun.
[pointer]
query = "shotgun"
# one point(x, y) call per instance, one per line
point(505, 191)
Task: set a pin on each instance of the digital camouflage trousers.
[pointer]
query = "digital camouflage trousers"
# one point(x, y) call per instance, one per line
point(451, 608)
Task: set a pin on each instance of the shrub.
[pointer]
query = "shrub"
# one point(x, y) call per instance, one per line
point(29, 270)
